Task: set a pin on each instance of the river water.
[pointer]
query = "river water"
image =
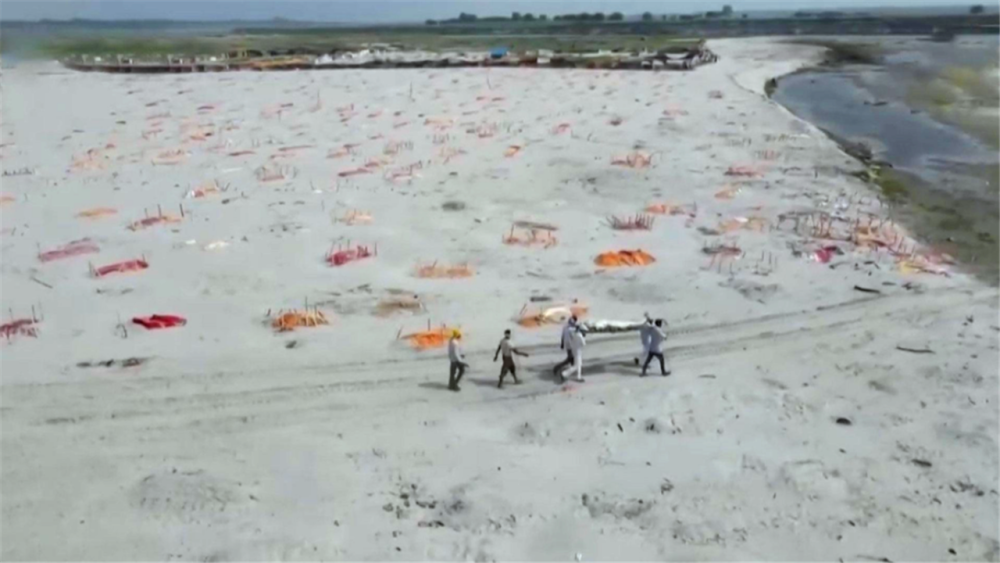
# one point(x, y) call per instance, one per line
point(930, 111)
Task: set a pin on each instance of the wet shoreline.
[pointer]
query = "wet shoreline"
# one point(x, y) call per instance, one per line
point(940, 179)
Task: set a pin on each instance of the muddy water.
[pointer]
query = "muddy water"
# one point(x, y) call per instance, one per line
point(928, 111)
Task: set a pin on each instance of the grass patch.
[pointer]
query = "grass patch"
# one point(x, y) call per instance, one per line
point(977, 84)
point(951, 223)
point(844, 52)
point(892, 186)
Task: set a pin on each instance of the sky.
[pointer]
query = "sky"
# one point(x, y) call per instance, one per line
point(387, 11)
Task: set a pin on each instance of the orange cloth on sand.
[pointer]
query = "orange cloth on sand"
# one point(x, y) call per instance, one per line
point(624, 258)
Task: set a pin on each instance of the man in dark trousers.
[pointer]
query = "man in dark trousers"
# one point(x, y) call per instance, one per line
point(656, 338)
point(508, 351)
point(564, 340)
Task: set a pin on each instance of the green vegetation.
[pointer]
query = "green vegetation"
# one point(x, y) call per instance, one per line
point(962, 96)
point(951, 224)
point(846, 52)
point(136, 46)
point(892, 185)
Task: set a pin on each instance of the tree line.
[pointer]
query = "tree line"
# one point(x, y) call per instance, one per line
point(529, 17)
point(727, 11)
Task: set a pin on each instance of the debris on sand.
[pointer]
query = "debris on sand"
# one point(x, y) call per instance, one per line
point(170, 157)
point(125, 363)
point(343, 256)
point(399, 302)
point(267, 173)
point(915, 350)
point(672, 209)
point(728, 192)
point(430, 338)
point(128, 266)
point(867, 290)
point(638, 222)
point(356, 217)
point(153, 221)
point(752, 223)
point(625, 258)
point(291, 320)
point(440, 271)
point(97, 212)
point(536, 317)
point(637, 159)
point(620, 509)
point(534, 234)
point(74, 248)
point(925, 263)
point(203, 191)
point(155, 322)
point(745, 170)
point(19, 327)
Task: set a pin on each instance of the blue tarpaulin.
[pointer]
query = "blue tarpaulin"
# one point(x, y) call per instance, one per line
point(498, 52)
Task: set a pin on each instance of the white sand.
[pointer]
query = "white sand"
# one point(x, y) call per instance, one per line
point(228, 445)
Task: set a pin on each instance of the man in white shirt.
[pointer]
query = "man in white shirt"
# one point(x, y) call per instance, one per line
point(564, 338)
point(656, 338)
point(458, 364)
point(577, 340)
point(644, 333)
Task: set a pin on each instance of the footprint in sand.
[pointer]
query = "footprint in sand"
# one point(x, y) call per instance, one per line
point(187, 496)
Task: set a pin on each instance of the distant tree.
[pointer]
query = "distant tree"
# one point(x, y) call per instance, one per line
point(598, 16)
point(616, 17)
point(977, 9)
point(663, 18)
point(557, 18)
point(584, 16)
point(542, 17)
point(431, 22)
point(463, 17)
point(515, 16)
point(727, 10)
point(647, 17)
point(744, 16)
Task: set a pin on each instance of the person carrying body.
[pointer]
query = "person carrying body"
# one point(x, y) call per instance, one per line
point(577, 340)
point(458, 365)
point(508, 351)
point(565, 337)
point(656, 338)
point(644, 334)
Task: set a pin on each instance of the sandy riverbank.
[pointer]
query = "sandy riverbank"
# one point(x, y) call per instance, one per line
point(233, 442)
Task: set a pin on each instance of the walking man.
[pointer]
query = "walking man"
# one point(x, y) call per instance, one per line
point(508, 350)
point(577, 340)
point(656, 338)
point(567, 334)
point(458, 364)
point(644, 333)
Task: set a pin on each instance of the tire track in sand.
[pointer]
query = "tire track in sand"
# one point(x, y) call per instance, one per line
point(255, 397)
